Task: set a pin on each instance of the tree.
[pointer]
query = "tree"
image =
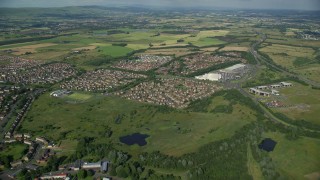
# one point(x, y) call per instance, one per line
point(90, 173)
point(82, 174)
point(121, 172)
point(6, 161)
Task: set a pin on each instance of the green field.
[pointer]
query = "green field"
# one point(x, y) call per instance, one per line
point(305, 103)
point(295, 159)
point(253, 166)
point(79, 96)
point(288, 56)
point(173, 133)
point(16, 150)
point(114, 51)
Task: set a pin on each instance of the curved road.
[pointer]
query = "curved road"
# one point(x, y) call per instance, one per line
point(260, 59)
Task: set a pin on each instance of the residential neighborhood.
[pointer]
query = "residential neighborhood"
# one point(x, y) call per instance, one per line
point(173, 92)
point(197, 62)
point(143, 63)
point(101, 80)
point(28, 72)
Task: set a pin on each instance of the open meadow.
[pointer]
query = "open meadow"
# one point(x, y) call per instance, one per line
point(303, 102)
point(87, 115)
point(295, 159)
point(125, 90)
point(289, 56)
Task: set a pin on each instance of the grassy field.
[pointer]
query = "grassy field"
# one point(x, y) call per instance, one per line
point(310, 71)
point(114, 51)
point(304, 100)
point(171, 51)
point(295, 159)
point(16, 150)
point(234, 48)
point(173, 133)
point(29, 48)
point(62, 46)
point(253, 166)
point(79, 96)
point(286, 56)
point(207, 42)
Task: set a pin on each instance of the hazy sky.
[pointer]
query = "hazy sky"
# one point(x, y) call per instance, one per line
point(252, 4)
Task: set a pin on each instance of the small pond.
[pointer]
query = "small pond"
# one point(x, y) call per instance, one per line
point(268, 144)
point(135, 138)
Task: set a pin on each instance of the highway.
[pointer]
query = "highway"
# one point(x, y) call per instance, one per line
point(238, 84)
point(260, 59)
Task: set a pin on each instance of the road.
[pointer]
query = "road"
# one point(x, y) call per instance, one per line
point(238, 84)
point(260, 59)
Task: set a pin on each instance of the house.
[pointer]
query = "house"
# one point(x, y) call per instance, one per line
point(27, 142)
point(273, 86)
point(275, 92)
point(42, 140)
point(16, 163)
point(55, 176)
point(10, 140)
point(32, 167)
point(12, 175)
point(104, 166)
point(77, 165)
point(258, 92)
point(93, 166)
point(285, 84)
point(8, 135)
point(262, 87)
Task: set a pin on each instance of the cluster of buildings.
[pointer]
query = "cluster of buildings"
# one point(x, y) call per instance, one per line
point(309, 35)
point(101, 166)
point(101, 80)
point(234, 72)
point(26, 139)
point(173, 68)
point(143, 63)
point(33, 145)
point(173, 92)
point(197, 62)
point(7, 98)
point(44, 157)
point(14, 64)
point(233, 54)
point(59, 93)
point(262, 90)
point(18, 119)
point(45, 74)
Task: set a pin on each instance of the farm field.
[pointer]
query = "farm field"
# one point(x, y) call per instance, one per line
point(292, 41)
point(288, 56)
point(29, 48)
point(297, 158)
point(169, 132)
point(171, 51)
point(234, 48)
point(114, 51)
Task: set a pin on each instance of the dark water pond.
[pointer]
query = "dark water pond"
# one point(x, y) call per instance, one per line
point(135, 138)
point(268, 144)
